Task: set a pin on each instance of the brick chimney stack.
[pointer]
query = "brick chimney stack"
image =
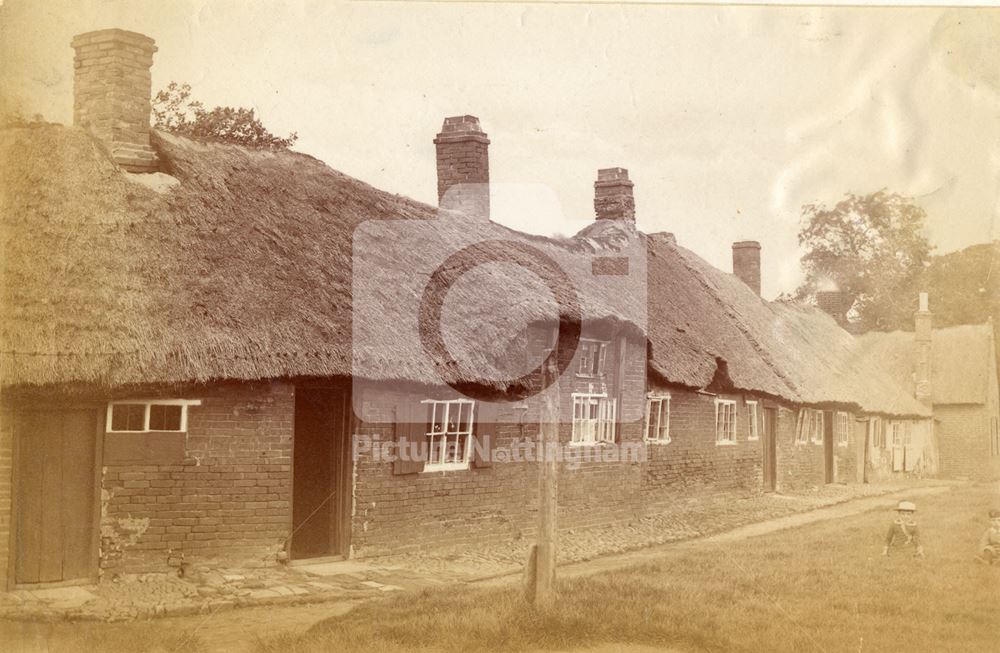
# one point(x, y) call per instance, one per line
point(835, 303)
point(463, 167)
point(922, 323)
point(613, 195)
point(111, 93)
point(746, 263)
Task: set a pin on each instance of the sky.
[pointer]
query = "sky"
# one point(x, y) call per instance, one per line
point(729, 119)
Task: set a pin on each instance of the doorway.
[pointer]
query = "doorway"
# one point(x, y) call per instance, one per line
point(321, 472)
point(770, 449)
point(828, 471)
point(56, 496)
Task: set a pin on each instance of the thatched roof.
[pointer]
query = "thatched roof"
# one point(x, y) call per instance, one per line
point(699, 313)
point(246, 269)
point(962, 360)
point(243, 270)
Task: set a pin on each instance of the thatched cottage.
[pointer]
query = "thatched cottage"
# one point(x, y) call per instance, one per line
point(954, 369)
point(189, 358)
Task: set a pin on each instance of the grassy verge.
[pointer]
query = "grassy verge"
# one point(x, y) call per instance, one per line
point(147, 637)
point(823, 587)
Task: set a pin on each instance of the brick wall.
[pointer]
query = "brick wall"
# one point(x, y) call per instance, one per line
point(692, 462)
point(425, 510)
point(229, 497)
point(6, 490)
point(963, 432)
point(800, 464)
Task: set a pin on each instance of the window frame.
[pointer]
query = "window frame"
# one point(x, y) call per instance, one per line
point(604, 424)
point(801, 435)
point(731, 425)
point(842, 428)
point(817, 426)
point(584, 347)
point(148, 403)
point(753, 420)
point(658, 399)
point(430, 434)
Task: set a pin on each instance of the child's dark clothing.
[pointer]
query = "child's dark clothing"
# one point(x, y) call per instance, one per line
point(903, 532)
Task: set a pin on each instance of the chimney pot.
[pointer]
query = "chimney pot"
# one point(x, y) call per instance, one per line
point(613, 198)
point(463, 166)
point(111, 93)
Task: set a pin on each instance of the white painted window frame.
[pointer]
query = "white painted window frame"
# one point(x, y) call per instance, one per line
point(842, 428)
point(728, 425)
point(801, 431)
point(183, 403)
point(753, 420)
point(817, 425)
point(588, 347)
point(590, 431)
point(442, 464)
point(662, 435)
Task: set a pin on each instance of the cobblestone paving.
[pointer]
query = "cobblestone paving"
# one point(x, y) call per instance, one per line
point(686, 518)
point(206, 591)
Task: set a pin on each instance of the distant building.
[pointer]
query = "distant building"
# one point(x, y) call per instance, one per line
point(954, 370)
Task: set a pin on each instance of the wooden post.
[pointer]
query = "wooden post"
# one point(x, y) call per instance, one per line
point(542, 591)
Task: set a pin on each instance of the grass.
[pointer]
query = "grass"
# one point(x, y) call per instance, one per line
point(144, 637)
point(823, 587)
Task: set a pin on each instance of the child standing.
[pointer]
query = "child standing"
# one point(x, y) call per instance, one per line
point(989, 544)
point(903, 531)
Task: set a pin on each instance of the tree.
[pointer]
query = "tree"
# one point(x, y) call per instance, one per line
point(870, 247)
point(174, 111)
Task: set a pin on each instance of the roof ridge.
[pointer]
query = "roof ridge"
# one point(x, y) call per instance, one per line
point(757, 346)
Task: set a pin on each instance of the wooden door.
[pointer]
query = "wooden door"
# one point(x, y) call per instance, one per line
point(321, 473)
point(55, 496)
point(770, 449)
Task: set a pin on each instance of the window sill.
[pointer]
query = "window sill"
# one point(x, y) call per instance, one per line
point(725, 443)
point(753, 439)
point(449, 467)
point(650, 441)
point(591, 444)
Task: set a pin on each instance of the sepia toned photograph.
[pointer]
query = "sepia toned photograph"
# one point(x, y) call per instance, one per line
point(607, 327)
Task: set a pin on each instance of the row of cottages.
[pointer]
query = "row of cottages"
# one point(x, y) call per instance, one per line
point(210, 352)
point(954, 370)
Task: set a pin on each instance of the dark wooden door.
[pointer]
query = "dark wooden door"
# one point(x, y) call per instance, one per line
point(55, 529)
point(770, 449)
point(321, 473)
point(828, 475)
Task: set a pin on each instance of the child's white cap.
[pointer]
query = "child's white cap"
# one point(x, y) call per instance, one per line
point(909, 506)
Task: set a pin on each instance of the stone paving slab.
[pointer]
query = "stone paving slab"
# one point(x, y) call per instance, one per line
point(74, 593)
point(336, 568)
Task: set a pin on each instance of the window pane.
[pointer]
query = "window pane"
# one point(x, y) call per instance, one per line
point(164, 418)
point(128, 417)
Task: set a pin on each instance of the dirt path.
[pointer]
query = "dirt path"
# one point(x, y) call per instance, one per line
point(618, 561)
